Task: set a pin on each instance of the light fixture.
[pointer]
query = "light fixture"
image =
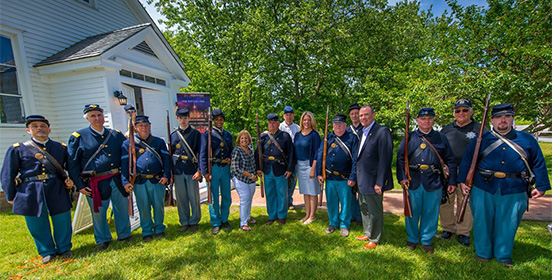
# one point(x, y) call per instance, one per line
point(121, 97)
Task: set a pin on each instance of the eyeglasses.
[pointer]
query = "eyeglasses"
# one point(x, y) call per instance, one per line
point(461, 110)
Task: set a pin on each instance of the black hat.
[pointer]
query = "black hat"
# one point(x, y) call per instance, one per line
point(182, 112)
point(217, 113)
point(92, 107)
point(426, 112)
point(462, 102)
point(272, 117)
point(288, 109)
point(354, 106)
point(35, 118)
point(502, 109)
point(142, 119)
point(339, 118)
point(129, 108)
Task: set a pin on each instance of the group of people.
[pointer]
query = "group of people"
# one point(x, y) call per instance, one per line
point(353, 162)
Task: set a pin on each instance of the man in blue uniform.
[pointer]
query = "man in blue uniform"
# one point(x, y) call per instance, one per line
point(94, 166)
point(510, 162)
point(41, 189)
point(427, 151)
point(459, 134)
point(222, 146)
point(356, 129)
point(291, 128)
point(340, 174)
point(278, 166)
point(153, 173)
point(185, 142)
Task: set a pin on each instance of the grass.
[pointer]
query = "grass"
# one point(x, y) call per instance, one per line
point(292, 251)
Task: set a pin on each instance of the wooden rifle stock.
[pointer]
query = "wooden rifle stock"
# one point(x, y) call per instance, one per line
point(171, 181)
point(209, 158)
point(406, 197)
point(324, 154)
point(473, 166)
point(131, 159)
point(259, 143)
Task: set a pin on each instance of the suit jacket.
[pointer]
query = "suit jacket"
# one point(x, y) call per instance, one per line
point(374, 161)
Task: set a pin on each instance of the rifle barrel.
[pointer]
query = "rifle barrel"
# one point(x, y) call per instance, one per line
point(324, 155)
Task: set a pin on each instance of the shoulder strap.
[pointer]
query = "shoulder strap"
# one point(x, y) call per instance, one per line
point(188, 149)
point(489, 149)
point(443, 165)
point(354, 132)
point(343, 147)
point(521, 152)
point(278, 146)
point(146, 146)
point(47, 159)
point(99, 149)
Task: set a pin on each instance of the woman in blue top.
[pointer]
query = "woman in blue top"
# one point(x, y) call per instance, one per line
point(306, 144)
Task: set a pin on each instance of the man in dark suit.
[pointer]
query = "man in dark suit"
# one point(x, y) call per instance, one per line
point(373, 171)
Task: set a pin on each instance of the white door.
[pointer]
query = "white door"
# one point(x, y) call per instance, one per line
point(156, 104)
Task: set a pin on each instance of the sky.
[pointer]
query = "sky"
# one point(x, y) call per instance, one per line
point(439, 6)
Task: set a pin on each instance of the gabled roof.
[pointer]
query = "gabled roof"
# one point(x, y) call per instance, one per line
point(94, 45)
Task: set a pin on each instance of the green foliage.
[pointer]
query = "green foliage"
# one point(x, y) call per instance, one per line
point(292, 251)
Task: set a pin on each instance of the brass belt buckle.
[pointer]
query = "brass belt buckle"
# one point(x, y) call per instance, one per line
point(114, 170)
point(184, 157)
point(271, 158)
point(149, 176)
point(500, 175)
point(42, 177)
point(424, 166)
point(335, 173)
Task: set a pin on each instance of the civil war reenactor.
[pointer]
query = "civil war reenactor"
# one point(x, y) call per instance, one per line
point(42, 189)
point(459, 133)
point(340, 174)
point(153, 173)
point(94, 166)
point(186, 142)
point(510, 162)
point(222, 146)
point(291, 128)
point(430, 157)
point(278, 166)
point(356, 129)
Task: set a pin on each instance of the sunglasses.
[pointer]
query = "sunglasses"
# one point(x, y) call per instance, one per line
point(461, 110)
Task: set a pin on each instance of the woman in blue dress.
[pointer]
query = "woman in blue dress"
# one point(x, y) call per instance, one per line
point(307, 141)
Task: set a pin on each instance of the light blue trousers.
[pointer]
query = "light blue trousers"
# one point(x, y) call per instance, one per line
point(339, 192)
point(187, 199)
point(220, 184)
point(246, 192)
point(496, 218)
point(425, 215)
point(276, 196)
point(40, 230)
point(120, 212)
point(151, 196)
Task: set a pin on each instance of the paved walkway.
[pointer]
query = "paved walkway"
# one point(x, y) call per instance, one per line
point(539, 209)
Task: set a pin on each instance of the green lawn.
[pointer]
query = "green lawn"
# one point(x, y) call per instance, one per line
point(292, 251)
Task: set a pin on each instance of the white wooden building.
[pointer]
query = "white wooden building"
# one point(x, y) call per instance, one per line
point(58, 55)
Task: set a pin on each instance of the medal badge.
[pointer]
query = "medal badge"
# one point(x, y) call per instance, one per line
point(38, 156)
point(333, 145)
point(222, 144)
point(423, 146)
point(141, 151)
point(178, 146)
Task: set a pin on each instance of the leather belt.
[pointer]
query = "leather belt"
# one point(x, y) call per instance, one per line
point(273, 158)
point(112, 171)
point(336, 173)
point(149, 176)
point(39, 177)
point(489, 174)
point(418, 167)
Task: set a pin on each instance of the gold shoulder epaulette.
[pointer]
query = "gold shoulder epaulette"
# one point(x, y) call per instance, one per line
point(15, 145)
point(77, 135)
point(63, 144)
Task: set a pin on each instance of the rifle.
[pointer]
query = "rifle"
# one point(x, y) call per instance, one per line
point(406, 197)
point(260, 153)
point(131, 157)
point(473, 166)
point(209, 157)
point(171, 182)
point(324, 154)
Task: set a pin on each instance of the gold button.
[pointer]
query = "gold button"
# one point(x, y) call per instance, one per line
point(105, 146)
point(102, 136)
point(422, 159)
point(108, 155)
point(504, 148)
point(146, 158)
point(502, 162)
point(44, 181)
point(43, 173)
point(43, 168)
point(112, 164)
point(44, 149)
point(148, 169)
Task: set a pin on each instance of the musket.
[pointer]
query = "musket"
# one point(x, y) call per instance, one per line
point(473, 166)
point(260, 153)
point(209, 157)
point(171, 182)
point(324, 154)
point(406, 197)
point(131, 158)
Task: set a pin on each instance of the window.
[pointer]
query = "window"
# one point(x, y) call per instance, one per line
point(11, 103)
point(142, 77)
